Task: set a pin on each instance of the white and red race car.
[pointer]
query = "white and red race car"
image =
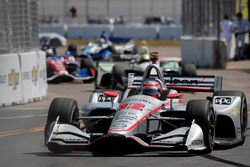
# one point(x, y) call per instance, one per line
point(131, 122)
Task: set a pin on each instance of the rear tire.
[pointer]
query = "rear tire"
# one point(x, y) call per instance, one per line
point(119, 81)
point(202, 112)
point(87, 62)
point(68, 113)
point(188, 70)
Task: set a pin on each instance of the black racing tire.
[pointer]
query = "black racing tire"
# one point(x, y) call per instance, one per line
point(119, 71)
point(68, 112)
point(119, 79)
point(243, 110)
point(87, 62)
point(188, 70)
point(202, 112)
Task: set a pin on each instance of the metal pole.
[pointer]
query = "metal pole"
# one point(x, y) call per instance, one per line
point(43, 9)
point(87, 10)
point(152, 7)
point(174, 9)
point(65, 11)
point(218, 53)
point(130, 10)
point(108, 14)
point(241, 6)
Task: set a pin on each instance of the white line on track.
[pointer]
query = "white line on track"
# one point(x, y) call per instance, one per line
point(29, 108)
point(24, 116)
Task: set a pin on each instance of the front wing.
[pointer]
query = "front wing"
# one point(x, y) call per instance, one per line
point(71, 137)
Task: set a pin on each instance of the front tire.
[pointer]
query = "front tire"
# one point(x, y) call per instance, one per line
point(67, 111)
point(203, 114)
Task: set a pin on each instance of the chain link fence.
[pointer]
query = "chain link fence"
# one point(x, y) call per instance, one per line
point(202, 17)
point(18, 25)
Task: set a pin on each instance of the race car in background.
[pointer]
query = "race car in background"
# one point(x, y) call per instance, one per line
point(174, 66)
point(109, 51)
point(119, 123)
point(68, 68)
point(115, 76)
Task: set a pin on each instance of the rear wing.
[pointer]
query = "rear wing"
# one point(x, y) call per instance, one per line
point(183, 83)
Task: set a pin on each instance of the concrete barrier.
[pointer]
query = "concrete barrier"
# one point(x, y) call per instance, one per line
point(10, 80)
point(170, 32)
point(22, 78)
point(87, 31)
point(135, 32)
point(42, 74)
point(203, 52)
point(57, 28)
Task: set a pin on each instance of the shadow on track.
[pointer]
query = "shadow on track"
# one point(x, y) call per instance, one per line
point(226, 162)
point(89, 154)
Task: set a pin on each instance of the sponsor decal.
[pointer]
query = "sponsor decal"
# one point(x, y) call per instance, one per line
point(223, 100)
point(34, 75)
point(182, 81)
point(235, 111)
point(136, 106)
point(197, 142)
point(26, 76)
point(103, 98)
point(139, 100)
point(13, 79)
point(43, 74)
point(123, 106)
point(3, 79)
point(132, 106)
point(75, 139)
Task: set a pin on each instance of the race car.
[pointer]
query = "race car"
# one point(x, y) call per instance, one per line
point(174, 66)
point(115, 76)
point(61, 68)
point(117, 123)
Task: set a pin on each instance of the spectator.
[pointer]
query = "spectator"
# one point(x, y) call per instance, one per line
point(104, 38)
point(226, 28)
point(73, 11)
point(242, 27)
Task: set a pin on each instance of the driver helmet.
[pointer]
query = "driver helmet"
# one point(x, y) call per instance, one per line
point(154, 56)
point(152, 88)
point(144, 55)
point(71, 51)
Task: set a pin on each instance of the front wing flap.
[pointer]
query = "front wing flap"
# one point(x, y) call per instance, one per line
point(191, 138)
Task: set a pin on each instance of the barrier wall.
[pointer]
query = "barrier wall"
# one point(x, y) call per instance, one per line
point(202, 52)
point(10, 79)
point(87, 31)
point(166, 32)
point(124, 31)
point(22, 78)
point(57, 28)
point(135, 32)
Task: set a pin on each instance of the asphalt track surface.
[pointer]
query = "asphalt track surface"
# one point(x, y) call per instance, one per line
point(22, 143)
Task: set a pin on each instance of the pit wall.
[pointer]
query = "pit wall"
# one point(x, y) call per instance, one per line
point(22, 78)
